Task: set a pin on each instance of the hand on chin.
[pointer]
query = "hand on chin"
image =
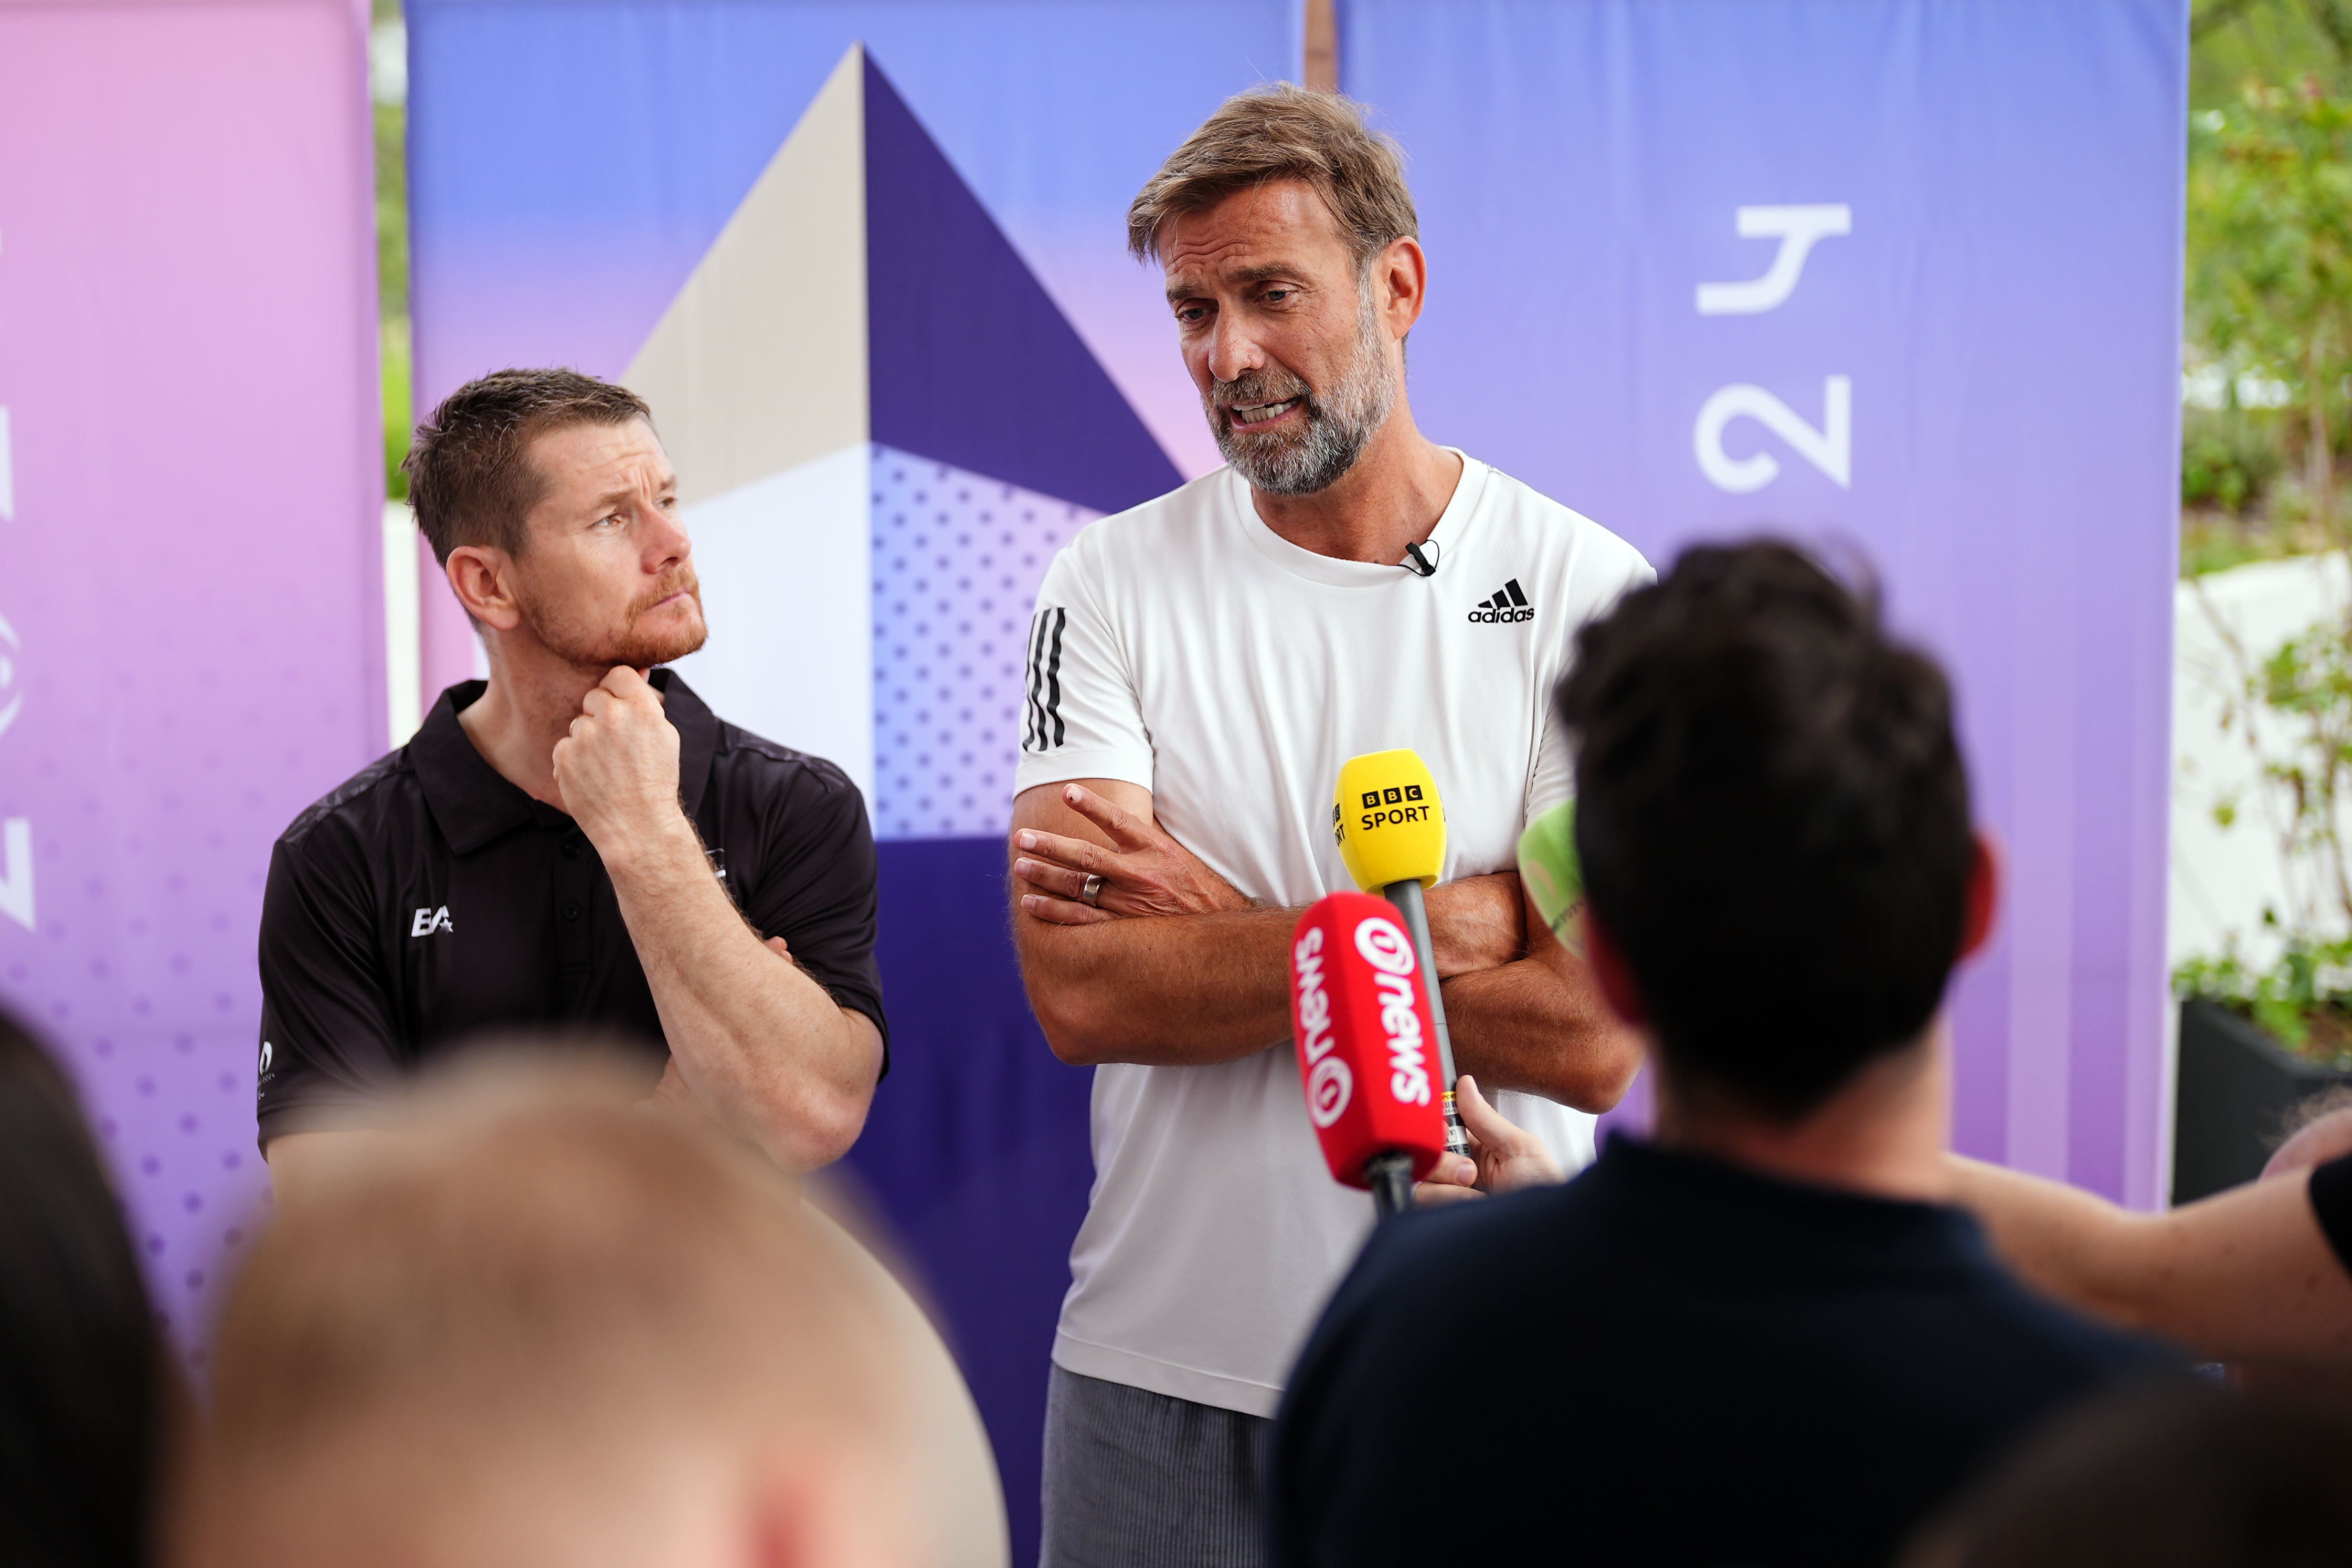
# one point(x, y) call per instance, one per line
point(616, 770)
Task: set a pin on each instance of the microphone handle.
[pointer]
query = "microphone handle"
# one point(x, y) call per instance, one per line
point(1391, 1175)
point(1406, 897)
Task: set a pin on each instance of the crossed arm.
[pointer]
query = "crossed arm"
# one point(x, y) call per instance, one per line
point(1176, 967)
point(761, 1049)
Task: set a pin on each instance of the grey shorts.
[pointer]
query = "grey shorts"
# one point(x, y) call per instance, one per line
point(1138, 1480)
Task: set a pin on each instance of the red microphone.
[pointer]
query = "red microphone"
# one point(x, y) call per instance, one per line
point(1367, 1046)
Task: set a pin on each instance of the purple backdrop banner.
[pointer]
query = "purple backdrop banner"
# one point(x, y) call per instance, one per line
point(1904, 276)
point(191, 626)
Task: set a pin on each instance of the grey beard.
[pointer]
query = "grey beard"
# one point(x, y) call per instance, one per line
point(1334, 432)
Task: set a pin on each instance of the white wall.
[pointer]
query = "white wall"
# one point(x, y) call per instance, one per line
point(2224, 626)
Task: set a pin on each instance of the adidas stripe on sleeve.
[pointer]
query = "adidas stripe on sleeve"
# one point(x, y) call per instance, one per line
point(1079, 714)
point(1043, 728)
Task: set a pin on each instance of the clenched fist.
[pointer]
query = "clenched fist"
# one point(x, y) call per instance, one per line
point(617, 770)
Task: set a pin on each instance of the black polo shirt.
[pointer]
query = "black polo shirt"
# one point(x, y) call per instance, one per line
point(1670, 1360)
point(429, 899)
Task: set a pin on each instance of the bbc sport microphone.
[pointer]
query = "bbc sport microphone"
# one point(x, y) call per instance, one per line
point(1363, 1028)
point(1391, 831)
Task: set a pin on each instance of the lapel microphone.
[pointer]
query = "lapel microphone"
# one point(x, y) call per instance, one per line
point(1421, 560)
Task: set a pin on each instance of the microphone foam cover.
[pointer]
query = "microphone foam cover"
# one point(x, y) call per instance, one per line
point(1549, 869)
point(1366, 1046)
point(1387, 817)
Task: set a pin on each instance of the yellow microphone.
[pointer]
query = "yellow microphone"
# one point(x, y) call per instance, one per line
point(1391, 829)
point(1388, 821)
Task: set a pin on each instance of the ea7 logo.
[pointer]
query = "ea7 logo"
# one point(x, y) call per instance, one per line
point(427, 921)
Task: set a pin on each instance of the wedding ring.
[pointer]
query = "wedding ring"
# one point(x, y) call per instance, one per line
point(1092, 891)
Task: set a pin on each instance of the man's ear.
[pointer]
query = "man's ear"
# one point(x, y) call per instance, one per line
point(1403, 269)
point(1610, 968)
point(1983, 894)
point(482, 576)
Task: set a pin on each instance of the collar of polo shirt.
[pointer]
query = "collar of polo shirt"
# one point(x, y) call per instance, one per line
point(472, 803)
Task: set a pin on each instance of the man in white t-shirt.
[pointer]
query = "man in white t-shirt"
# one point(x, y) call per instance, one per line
point(1200, 667)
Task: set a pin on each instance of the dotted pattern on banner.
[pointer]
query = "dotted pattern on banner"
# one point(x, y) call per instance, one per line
point(175, 1121)
point(150, 825)
point(957, 560)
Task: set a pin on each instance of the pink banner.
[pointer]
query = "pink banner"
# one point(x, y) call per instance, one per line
point(190, 621)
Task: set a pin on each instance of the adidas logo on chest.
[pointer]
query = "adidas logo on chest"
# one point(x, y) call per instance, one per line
point(1506, 606)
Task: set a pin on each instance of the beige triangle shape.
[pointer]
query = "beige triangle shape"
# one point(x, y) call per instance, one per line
point(760, 363)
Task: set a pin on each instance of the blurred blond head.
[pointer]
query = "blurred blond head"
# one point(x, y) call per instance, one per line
point(533, 1324)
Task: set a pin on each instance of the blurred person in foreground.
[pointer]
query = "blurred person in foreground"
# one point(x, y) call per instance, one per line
point(577, 840)
point(1764, 1336)
point(91, 1405)
point(2260, 1275)
point(2180, 1477)
point(530, 1323)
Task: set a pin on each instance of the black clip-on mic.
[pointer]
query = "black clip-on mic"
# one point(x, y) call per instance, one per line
point(1418, 563)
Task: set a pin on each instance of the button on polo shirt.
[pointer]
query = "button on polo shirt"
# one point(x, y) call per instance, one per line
point(429, 900)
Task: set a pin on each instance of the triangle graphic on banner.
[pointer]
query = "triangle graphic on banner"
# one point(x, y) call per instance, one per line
point(758, 365)
point(862, 293)
point(973, 363)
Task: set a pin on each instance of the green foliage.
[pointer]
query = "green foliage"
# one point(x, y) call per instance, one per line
point(392, 288)
point(398, 421)
point(2269, 213)
point(2294, 710)
point(2307, 682)
point(2309, 979)
point(2269, 279)
point(2227, 460)
point(392, 210)
point(2270, 268)
point(2277, 41)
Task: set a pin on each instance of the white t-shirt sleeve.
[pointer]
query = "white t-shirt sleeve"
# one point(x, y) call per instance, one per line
point(1555, 772)
point(1079, 718)
point(1555, 776)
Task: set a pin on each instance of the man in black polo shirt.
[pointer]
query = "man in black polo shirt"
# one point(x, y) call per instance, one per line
point(579, 840)
point(1764, 1337)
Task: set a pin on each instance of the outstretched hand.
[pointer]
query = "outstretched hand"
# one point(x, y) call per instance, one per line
point(2323, 1138)
point(1506, 1156)
point(1144, 872)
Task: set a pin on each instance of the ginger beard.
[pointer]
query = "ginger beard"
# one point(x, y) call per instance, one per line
point(1332, 430)
point(677, 629)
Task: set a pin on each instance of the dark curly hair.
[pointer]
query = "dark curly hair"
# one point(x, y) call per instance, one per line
point(1773, 819)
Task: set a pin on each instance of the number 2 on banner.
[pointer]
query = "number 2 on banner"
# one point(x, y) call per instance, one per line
point(1831, 447)
point(1828, 448)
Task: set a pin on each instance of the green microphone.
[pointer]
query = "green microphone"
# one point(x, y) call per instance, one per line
point(1551, 874)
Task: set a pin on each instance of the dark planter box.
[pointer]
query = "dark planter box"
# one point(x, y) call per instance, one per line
point(2235, 1087)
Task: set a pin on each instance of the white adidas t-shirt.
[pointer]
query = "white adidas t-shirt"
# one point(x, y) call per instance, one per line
point(1187, 647)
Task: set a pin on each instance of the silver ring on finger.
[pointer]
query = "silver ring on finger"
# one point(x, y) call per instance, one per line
point(1092, 891)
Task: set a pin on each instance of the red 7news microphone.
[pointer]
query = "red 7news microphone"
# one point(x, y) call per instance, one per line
point(1359, 1017)
point(1390, 829)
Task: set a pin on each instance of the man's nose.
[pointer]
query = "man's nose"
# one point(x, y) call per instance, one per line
point(666, 544)
point(1234, 351)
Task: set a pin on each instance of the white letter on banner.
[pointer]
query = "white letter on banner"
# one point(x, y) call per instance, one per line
point(16, 870)
point(1830, 448)
point(11, 700)
point(1797, 228)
